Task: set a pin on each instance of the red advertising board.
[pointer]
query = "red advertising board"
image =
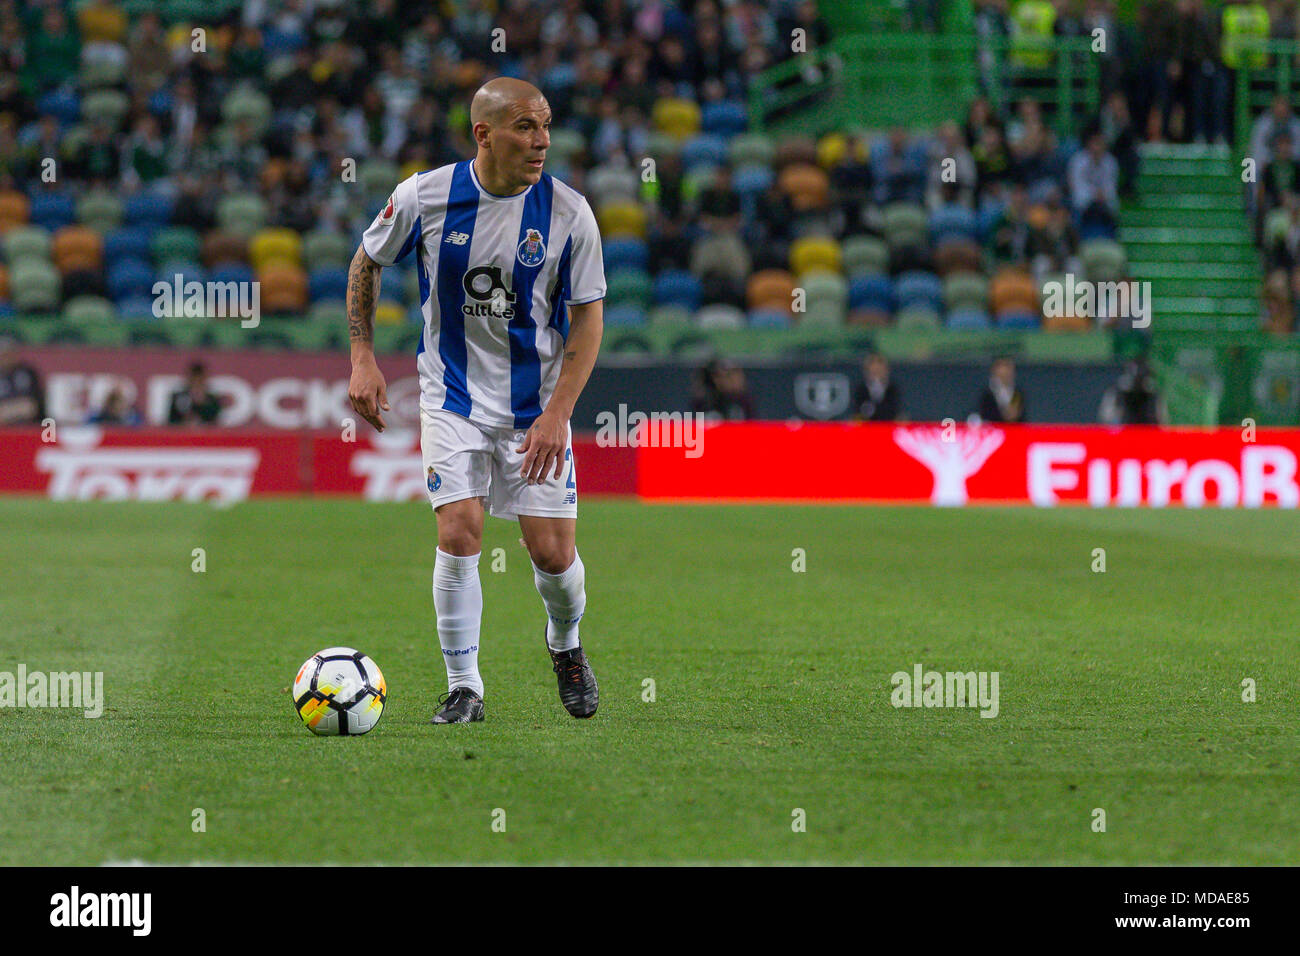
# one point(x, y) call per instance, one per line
point(923, 464)
point(954, 465)
point(87, 462)
point(388, 467)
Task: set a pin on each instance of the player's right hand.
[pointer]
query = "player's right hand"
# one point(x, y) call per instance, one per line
point(368, 392)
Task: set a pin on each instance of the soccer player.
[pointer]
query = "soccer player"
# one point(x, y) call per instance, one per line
point(512, 286)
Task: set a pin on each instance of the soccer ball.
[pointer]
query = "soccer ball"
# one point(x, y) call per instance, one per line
point(339, 692)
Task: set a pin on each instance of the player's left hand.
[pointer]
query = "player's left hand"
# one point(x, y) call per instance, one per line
point(544, 446)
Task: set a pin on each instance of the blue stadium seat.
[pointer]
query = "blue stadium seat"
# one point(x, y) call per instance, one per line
point(676, 287)
point(953, 222)
point(1018, 320)
point(279, 42)
point(136, 307)
point(873, 292)
point(149, 209)
point(52, 210)
point(63, 104)
point(725, 118)
point(987, 219)
point(625, 316)
point(130, 242)
point(752, 180)
point(130, 277)
point(706, 149)
point(161, 102)
point(231, 272)
point(919, 289)
point(330, 284)
point(968, 319)
point(562, 76)
point(625, 253)
point(770, 319)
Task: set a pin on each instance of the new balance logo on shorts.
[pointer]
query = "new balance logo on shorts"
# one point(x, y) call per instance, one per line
point(571, 498)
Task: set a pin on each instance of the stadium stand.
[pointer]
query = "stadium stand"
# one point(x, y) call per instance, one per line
point(172, 161)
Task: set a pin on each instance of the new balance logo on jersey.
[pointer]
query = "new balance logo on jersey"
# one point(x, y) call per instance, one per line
point(457, 238)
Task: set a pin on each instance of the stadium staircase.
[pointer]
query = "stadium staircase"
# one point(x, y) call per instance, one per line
point(1189, 234)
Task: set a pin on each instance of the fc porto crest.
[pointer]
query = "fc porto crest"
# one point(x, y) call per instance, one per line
point(435, 480)
point(532, 251)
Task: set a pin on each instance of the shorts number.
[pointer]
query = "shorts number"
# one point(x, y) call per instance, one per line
point(568, 456)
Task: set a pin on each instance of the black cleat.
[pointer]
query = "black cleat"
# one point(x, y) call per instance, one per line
point(578, 691)
point(460, 706)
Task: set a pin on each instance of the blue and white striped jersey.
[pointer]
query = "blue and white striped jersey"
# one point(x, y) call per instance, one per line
point(496, 274)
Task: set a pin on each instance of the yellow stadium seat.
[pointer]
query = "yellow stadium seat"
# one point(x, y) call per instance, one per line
point(102, 22)
point(680, 118)
point(622, 219)
point(832, 150)
point(389, 313)
point(275, 245)
point(814, 252)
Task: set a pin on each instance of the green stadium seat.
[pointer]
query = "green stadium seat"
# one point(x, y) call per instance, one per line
point(827, 298)
point(628, 287)
point(1103, 260)
point(670, 316)
point(109, 334)
point(101, 210)
point(905, 224)
point(917, 318)
point(328, 313)
point(326, 250)
point(966, 290)
point(101, 72)
point(175, 243)
point(720, 317)
point(378, 178)
point(89, 308)
point(249, 105)
point(27, 242)
point(565, 143)
point(37, 286)
point(865, 255)
point(243, 214)
point(109, 105)
point(751, 149)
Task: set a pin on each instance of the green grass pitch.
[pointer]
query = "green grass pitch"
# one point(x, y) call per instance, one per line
point(1119, 690)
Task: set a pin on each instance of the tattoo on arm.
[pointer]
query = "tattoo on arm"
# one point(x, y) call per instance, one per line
point(363, 292)
point(570, 355)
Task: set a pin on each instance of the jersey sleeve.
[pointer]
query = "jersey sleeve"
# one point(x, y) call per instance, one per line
point(586, 263)
point(396, 230)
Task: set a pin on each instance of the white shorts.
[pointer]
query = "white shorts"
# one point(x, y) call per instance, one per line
point(465, 460)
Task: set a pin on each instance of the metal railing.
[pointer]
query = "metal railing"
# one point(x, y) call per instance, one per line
point(910, 79)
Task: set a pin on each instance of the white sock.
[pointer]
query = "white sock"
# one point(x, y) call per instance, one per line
point(458, 602)
point(566, 599)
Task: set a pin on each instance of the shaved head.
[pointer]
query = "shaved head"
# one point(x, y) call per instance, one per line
point(511, 123)
point(497, 99)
